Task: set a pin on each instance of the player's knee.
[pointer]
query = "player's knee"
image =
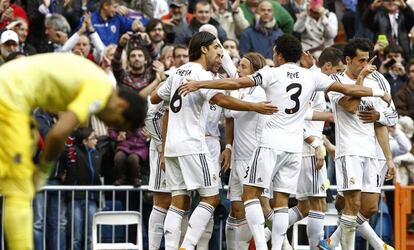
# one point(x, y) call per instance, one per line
point(212, 200)
point(318, 204)
point(163, 200)
point(367, 210)
point(339, 203)
point(353, 206)
point(250, 193)
point(237, 210)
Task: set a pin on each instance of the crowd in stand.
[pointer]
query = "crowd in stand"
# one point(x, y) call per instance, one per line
point(139, 43)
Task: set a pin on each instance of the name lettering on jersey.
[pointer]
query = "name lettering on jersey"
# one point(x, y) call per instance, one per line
point(183, 72)
point(293, 75)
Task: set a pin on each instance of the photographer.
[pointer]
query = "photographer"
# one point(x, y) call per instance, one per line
point(393, 68)
point(142, 75)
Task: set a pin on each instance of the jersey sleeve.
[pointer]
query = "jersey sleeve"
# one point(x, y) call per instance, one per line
point(334, 97)
point(91, 99)
point(322, 81)
point(262, 77)
point(164, 92)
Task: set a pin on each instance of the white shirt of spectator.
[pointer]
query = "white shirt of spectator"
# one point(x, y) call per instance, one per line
point(352, 136)
point(248, 125)
point(153, 124)
point(187, 118)
point(289, 87)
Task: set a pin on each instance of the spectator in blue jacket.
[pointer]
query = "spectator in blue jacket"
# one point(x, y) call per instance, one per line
point(260, 36)
point(110, 25)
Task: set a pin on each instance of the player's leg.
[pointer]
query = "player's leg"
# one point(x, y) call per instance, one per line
point(179, 203)
point(257, 177)
point(238, 234)
point(316, 218)
point(161, 201)
point(284, 183)
point(199, 174)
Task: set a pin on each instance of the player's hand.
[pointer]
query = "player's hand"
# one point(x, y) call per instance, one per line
point(307, 60)
point(369, 116)
point(225, 160)
point(319, 158)
point(265, 108)
point(162, 162)
point(188, 87)
point(369, 68)
point(387, 98)
point(391, 170)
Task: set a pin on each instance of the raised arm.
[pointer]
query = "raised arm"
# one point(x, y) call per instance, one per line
point(226, 83)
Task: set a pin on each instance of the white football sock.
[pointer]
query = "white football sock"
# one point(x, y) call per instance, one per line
point(256, 220)
point(172, 228)
point(314, 228)
point(156, 227)
point(280, 226)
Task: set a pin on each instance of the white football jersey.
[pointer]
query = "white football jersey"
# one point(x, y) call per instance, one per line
point(288, 87)
point(187, 118)
point(248, 125)
point(352, 136)
point(153, 124)
point(214, 113)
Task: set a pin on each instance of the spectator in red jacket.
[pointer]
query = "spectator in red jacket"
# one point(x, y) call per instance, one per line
point(10, 11)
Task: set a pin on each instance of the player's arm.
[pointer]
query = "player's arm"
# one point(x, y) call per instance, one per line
point(164, 137)
point(317, 145)
point(226, 83)
point(313, 115)
point(225, 157)
point(381, 133)
point(229, 102)
point(155, 98)
point(358, 91)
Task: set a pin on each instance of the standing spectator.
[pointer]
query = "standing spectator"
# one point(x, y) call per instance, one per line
point(156, 33)
point(393, 68)
point(318, 28)
point(232, 48)
point(144, 6)
point(177, 19)
point(142, 75)
point(110, 25)
point(38, 10)
point(166, 57)
point(180, 57)
point(131, 151)
point(57, 31)
point(21, 28)
point(9, 42)
point(260, 36)
point(404, 100)
point(9, 12)
point(391, 18)
point(202, 15)
point(85, 170)
point(283, 19)
point(230, 16)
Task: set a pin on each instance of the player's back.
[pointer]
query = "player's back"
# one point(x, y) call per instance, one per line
point(289, 87)
point(187, 118)
point(50, 81)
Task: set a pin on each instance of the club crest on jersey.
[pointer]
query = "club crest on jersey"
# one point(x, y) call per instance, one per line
point(352, 180)
point(259, 180)
point(214, 177)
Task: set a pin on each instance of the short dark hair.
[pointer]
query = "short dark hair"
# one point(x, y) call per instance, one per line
point(152, 23)
point(330, 54)
point(179, 46)
point(199, 40)
point(202, 3)
point(137, 108)
point(102, 2)
point(81, 134)
point(409, 64)
point(144, 50)
point(289, 46)
point(362, 44)
point(392, 48)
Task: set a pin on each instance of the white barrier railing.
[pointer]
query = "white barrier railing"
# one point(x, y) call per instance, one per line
point(70, 190)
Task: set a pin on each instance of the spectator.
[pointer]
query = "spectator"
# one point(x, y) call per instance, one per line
point(202, 15)
point(131, 151)
point(166, 57)
point(85, 170)
point(180, 57)
point(260, 36)
point(160, 8)
point(318, 28)
point(393, 68)
point(404, 99)
point(106, 64)
point(156, 33)
point(232, 48)
point(110, 25)
point(57, 30)
point(38, 10)
point(9, 42)
point(391, 18)
point(140, 76)
point(283, 19)
point(80, 42)
point(230, 16)
point(9, 12)
point(177, 19)
point(144, 6)
point(22, 30)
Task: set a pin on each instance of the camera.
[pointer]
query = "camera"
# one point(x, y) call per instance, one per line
point(135, 38)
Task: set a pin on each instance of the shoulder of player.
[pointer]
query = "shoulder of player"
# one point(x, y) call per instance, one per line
point(379, 80)
point(337, 76)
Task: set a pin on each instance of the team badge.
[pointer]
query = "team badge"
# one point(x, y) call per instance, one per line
point(214, 177)
point(113, 29)
point(352, 180)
